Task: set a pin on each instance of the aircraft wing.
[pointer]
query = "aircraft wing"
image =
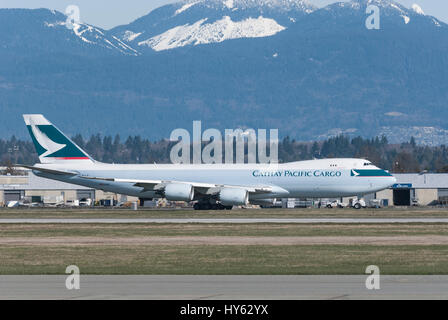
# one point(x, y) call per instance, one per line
point(205, 188)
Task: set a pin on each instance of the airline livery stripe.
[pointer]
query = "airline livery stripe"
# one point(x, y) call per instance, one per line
point(372, 176)
point(73, 158)
point(369, 173)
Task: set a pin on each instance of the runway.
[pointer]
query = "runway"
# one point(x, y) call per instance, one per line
point(229, 221)
point(224, 287)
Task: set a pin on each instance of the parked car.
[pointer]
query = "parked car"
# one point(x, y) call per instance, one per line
point(72, 203)
point(85, 202)
point(336, 204)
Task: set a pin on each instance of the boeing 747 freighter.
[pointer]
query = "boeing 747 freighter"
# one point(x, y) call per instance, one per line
point(211, 186)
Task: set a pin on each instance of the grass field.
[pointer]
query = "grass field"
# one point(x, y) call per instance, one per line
point(209, 230)
point(222, 249)
point(212, 259)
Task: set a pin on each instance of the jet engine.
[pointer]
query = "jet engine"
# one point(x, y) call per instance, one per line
point(179, 192)
point(234, 197)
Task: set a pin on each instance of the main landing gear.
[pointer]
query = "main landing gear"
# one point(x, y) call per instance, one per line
point(210, 206)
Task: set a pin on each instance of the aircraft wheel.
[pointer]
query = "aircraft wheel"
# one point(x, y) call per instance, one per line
point(207, 206)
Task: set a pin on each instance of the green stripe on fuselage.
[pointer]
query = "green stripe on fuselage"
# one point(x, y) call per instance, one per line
point(370, 173)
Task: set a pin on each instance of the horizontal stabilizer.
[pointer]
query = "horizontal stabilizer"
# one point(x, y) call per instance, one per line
point(51, 171)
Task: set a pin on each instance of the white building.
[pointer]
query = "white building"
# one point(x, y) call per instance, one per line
point(36, 189)
point(422, 189)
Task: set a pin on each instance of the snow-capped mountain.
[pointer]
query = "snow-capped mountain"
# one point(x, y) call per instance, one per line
point(94, 36)
point(202, 32)
point(390, 11)
point(46, 30)
point(255, 63)
point(195, 22)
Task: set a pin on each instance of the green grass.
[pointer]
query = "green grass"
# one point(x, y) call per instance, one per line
point(279, 230)
point(247, 260)
point(219, 258)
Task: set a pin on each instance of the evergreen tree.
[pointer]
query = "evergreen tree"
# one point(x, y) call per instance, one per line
point(406, 157)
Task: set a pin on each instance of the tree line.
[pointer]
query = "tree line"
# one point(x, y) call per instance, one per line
point(398, 158)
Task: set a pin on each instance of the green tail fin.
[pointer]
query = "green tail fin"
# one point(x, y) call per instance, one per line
point(51, 144)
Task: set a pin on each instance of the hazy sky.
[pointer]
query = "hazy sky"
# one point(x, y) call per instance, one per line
point(110, 13)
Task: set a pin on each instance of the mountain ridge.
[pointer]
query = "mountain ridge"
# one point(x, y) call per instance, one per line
point(50, 25)
point(323, 73)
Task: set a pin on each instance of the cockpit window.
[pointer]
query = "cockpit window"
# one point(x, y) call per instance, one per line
point(367, 163)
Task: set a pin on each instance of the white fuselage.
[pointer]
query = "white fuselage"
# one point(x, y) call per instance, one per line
point(305, 179)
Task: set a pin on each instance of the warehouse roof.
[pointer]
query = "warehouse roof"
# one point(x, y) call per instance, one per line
point(33, 182)
point(423, 181)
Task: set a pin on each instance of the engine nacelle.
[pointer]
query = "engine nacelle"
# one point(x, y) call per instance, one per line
point(179, 192)
point(234, 197)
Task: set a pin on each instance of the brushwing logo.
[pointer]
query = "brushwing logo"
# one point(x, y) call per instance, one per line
point(354, 173)
point(45, 142)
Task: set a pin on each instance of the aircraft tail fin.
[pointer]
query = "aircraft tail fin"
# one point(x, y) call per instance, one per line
point(51, 144)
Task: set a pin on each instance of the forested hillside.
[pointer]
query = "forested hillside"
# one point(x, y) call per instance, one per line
point(398, 158)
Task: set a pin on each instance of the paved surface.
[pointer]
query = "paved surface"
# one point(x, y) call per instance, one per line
point(224, 287)
point(230, 221)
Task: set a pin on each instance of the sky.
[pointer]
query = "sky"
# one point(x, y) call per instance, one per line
point(111, 13)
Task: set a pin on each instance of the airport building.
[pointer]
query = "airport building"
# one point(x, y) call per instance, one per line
point(417, 189)
point(33, 189)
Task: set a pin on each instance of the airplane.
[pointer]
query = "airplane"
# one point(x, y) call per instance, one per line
point(210, 186)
